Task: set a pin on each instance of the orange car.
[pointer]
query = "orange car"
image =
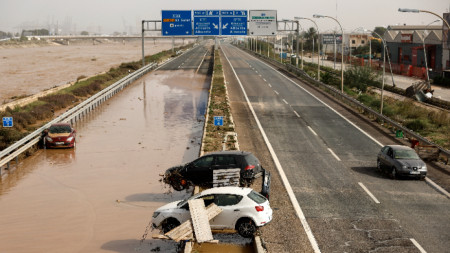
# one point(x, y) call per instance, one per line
point(60, 135)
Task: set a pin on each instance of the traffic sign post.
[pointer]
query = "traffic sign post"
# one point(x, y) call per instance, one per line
point(206, 22)
point(233, 22)
point(176, 23)
point(262, 23)
point(218, 120)
point(8, 122)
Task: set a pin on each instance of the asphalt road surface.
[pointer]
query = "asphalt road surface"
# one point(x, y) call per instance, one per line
point(330, 163)
point(101, 196)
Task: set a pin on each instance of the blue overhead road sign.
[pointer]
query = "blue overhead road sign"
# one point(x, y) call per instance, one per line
point(176, 23)
point(206, 22)
point(233, 22)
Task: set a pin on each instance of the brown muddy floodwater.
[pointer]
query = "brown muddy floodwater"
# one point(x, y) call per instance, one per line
point(101, 196)
point(32, 69)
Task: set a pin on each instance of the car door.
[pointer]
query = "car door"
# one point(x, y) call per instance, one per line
point(199, 171)
point(231, 211)
point(389, 159)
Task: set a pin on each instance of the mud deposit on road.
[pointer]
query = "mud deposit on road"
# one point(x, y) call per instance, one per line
point(27, 71)
point(101, 196)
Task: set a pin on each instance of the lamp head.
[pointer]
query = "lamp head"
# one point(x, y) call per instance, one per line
point(408, 10)
point(318, 16)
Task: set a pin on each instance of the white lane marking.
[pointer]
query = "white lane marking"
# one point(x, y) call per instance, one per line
point(335, 156)
point(285, 102)
point(289, 190)
point(276, 92)
point(296, 114)
point(437, 187)
point(256, 71)
point(368, 192)
point(270, 85)
point(310, 129)
point(342, 116)
point(264, 80)
point(201, 62)
point(422, 250)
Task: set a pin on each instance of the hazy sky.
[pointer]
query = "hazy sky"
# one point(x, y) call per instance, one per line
point(107, 16)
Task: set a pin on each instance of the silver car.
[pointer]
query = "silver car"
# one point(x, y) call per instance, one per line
point(398, 160)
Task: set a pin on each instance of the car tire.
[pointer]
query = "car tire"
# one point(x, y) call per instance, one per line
point(422, 177)
point(394, 174)
point(169, 224)
point(379, 166)
point(176, 183)
point(246, 227)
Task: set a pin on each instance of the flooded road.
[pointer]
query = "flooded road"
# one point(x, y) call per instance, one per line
point(100, 196)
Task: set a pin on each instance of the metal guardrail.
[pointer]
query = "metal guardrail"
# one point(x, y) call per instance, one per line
point(72, 115)
point(353, 102)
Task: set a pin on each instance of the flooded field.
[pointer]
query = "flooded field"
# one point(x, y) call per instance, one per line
point(29, 70)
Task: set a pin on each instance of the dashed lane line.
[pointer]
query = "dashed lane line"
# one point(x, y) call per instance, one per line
point(335, 156)
point(368, 192)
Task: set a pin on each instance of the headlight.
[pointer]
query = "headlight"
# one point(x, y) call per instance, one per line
point(424, 167)
point(404, 167)
point(48, 139)
point(70, 138)
point(155, 214)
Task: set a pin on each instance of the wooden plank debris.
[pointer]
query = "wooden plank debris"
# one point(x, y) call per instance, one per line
point(226, 177)
point(185, 230)
point(200, 221)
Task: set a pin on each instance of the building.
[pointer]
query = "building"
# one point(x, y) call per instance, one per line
point(413, 48)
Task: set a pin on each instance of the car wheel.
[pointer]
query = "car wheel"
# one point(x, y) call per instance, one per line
point(178, 183)
point(379, 165)
point(246, 228)
point(394, 173)
point(422, 177)
point(169, 224)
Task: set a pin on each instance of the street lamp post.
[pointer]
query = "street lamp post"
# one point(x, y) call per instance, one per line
point(342, 48)
point(318, 45)
point(425, 54)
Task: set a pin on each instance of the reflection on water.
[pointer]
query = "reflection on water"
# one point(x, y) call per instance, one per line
point(60, 156)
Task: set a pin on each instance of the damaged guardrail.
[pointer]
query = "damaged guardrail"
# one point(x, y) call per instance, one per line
point(72, 115)
point(353, 102)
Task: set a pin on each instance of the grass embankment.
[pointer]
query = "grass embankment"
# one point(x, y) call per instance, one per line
point(218, 106)
point(430, 123)
point(32, 116)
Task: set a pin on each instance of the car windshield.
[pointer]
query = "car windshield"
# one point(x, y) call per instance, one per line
point(406, 154)
point(60, 129)
point(258, 198)
point(184, 201)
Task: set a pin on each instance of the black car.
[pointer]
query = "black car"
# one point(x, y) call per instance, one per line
point(200, 171)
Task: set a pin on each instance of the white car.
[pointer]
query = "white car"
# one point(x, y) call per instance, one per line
point(243, 209)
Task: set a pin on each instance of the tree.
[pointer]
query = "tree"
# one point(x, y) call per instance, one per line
point(380, 30)
point(84, 33)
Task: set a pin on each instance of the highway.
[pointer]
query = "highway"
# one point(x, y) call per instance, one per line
point(330, 164)
point(100, 197)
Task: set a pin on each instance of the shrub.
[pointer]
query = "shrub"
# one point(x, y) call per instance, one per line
point(416, 125)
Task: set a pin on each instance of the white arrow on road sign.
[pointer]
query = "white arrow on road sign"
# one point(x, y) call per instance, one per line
point(215, 26)
point(225, 26)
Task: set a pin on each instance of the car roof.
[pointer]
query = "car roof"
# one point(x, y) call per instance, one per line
point(228, 152)
point(399, 147)
point(61, 124)
point(227, 190)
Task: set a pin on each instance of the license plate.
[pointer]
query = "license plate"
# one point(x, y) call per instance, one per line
point(414, 172)
point(59, 143)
